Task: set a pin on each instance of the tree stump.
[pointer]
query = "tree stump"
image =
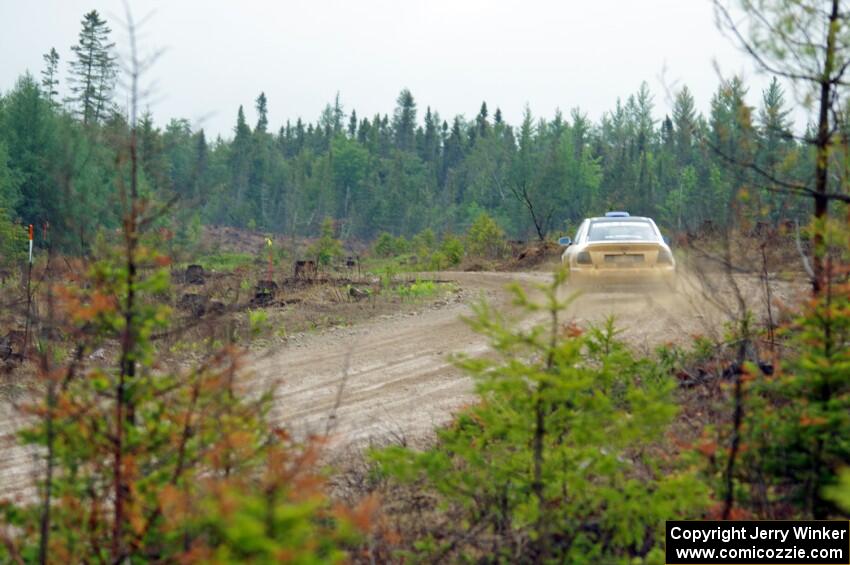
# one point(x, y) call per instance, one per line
point(194, 303)
point(194, 275)
point(264, 293)
point(305, 270)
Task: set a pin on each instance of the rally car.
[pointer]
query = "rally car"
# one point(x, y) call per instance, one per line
point(619, 250)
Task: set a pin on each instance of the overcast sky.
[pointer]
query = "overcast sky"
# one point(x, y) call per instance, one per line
point(451, 54)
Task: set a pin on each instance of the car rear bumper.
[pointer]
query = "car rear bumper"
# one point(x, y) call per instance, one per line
point(624, 278)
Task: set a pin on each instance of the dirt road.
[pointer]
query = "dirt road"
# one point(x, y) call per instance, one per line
point(392, 379)
point(399, 382)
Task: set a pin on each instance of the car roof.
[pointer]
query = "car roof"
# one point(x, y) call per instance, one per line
point(619, 219)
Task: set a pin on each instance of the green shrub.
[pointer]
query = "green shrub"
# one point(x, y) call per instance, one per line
point(485, 238)
point(387, 275)
point(327, 248)
point(452, 249)
point(798, 419)
point(788, 453)
point(438, 261)
point(418, 290)
point(401, 245)
point(388, 246)
point(424, 242)
point(840, 493)
point(385, 245)
point(552, 464)
point(13, 240)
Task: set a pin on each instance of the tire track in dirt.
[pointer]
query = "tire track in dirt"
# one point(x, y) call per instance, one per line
point(396, 375)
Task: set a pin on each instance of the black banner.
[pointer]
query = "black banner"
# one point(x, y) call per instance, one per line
point(758, 542)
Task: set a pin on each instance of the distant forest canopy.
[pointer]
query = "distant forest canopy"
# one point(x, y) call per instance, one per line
point(400, 172)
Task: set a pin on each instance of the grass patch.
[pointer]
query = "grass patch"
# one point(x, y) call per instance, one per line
point(395, 264)
point(421, 289)
point(406, 263)
point(224, 261)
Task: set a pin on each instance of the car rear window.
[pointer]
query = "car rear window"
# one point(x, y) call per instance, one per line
point(621, 231)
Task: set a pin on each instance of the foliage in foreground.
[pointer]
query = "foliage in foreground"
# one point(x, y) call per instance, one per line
point(144, 462)
point(799, 423)
point(556, 460)
point(794, 428)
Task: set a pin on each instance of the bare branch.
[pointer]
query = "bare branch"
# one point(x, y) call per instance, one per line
point(730, 24)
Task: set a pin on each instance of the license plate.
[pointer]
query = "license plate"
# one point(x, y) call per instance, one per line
point(621, 260)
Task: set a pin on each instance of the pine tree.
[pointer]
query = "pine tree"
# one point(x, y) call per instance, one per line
point(732, 136)
point(9, 185)
point(259, 197)
point(452, 148)
point(151, 151)
point(352, 125)
point(300, 135)
point(338, 115)
point(580, 130)
point(50, 75)
point(667, 172)
point(242, 130)
point(775, 132)
point(201, 168)
point(731, 125)
point(430, 141)
point(94, 70)
point(363, 130)
point(773, 118)
point(684, 119)
point(404, 121)
point(241, 211)
point(481, 120)
point(27, 124)
point(262, 113)
point(644, 122)
point(525, 169)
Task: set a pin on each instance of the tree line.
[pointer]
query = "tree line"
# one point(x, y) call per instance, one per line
point(398, 173)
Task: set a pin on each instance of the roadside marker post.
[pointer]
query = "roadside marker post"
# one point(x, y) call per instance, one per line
point(269, 244)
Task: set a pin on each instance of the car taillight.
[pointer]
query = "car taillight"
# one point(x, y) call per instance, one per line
point(664, 257)
point(583, 258)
